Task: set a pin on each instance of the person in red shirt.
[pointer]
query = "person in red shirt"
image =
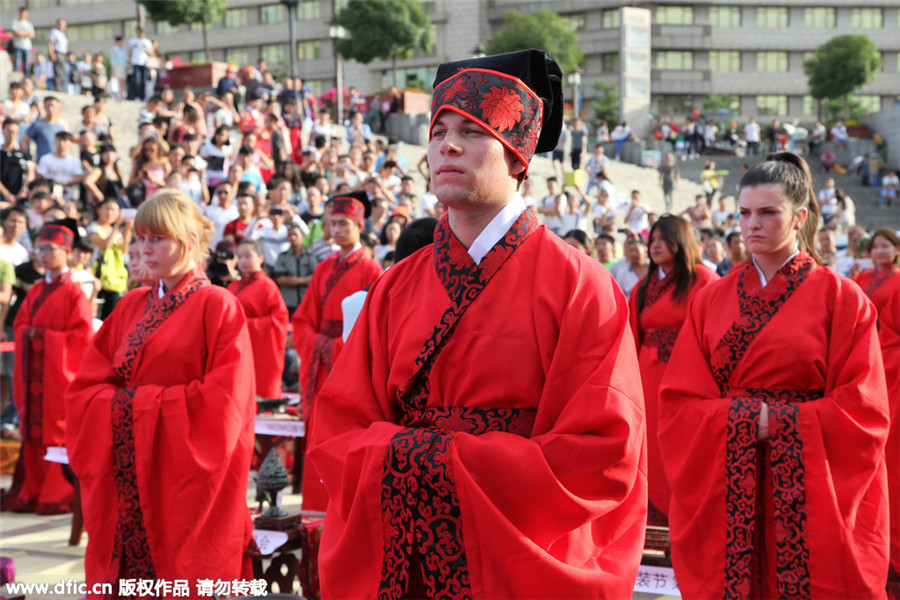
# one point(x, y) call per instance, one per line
point(52, 331)
point(235, 231)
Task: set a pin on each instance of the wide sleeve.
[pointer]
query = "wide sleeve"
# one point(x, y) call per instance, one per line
point(309, 314)
point(268, 332)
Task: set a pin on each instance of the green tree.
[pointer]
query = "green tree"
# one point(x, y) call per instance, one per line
point(606, 101)
point(841, 66)
point(187, 12)
point(544, 30)
point(384, 29)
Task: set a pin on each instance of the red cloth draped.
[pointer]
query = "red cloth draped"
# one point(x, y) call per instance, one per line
point(267, 321)
point(522, 430)
point(805, 514)
point(52, 330)
point(880, 286)
point(160, 435)
point(318, 327)
point(889, 334)
point(656, 328)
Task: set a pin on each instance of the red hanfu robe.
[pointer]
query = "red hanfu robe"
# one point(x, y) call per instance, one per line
point(52, 330)
point(804, 514)
point(318, 328)
point(267, 322)
point(160, 435)
point(889, 333)
point(880, 286)
point(483, 432)
point(655, 329)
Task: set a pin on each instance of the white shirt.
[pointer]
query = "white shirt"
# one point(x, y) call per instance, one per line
point(60, 43)
point(553, 201)
point(497, 228)
point(751, 132)
point(22, 43)
point(762, 278)
point(60, 170)
point(220, 218)
point(140, 49)
point(49, 278)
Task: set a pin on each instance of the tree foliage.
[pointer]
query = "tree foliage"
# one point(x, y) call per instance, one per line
point(606, 102)
point(187, 12)
point(841, 66)
point(544, 30)
point(384, 29)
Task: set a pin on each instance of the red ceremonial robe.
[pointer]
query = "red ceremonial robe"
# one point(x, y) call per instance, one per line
point(318, 338)
point(803, 515)
point(880, 286)
point(52, 330)
point(655, 328)
point(889, 334)
point(160, 432)
point(483, 435)
point(267, 322)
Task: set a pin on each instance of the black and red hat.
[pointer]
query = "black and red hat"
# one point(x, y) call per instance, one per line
point(353, 205)
point(62, 233)
point(517, 97)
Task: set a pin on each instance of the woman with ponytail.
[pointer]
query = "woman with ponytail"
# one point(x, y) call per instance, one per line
point(658, 309)
point(160, 417)
point(774, 416)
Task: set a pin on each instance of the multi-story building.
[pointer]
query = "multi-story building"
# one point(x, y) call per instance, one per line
point(750, 52)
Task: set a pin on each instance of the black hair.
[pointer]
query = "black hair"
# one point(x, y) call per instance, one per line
point(417, 234)
point(579, 236)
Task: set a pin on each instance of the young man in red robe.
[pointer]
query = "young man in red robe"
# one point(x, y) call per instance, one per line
point(482, 434)
point(52, 330)
point(318, 321)
point(267, 318)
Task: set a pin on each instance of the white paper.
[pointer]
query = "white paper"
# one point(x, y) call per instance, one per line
point(268, 540)
point(283, 427)
point(57, 454)
point(656, 580)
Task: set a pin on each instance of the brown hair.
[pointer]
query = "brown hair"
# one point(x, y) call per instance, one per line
point(791, 171)
point(677, 234)
point(890, 235)
point(173, 214)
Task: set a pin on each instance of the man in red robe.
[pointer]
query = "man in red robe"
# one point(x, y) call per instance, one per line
point(482, 434)
point(52, 330)
point(318, 321)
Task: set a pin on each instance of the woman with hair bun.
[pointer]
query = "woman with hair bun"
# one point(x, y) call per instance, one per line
point(658, 309)
point(774, 416)
point(160, 416)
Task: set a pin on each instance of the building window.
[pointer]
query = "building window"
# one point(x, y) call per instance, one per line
point(274, 54)
point(196, 27)
point(308, 11)
point(674, 60)
point(309, 50)
point(674, 103)
point(199, 56)
point(810, 106)
point(96, 32)
point(771, 62)
point(576, 22)
point(674, 15)
point(237, 17)
point(315, 86)
point(771, 105)
point(772, 16)
point(724, 61)
point(866, 18)
point(9, 6)
point(129, 29)
point(274, 13)
point(416, 78)
point(869, 103)
point(725, 16)
point(163, 28)
point(611, 62)
point(819, 18)
point(611, 19)
point(238, 56)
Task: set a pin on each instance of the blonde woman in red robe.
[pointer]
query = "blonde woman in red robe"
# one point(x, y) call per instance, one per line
point(52, 330)
point(267, 318)
point(882, 283)
point(658, 308)
point(160, 417)
point(774, 416)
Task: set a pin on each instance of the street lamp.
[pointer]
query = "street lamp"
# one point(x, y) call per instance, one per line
point(292, 41)
point(336, 32)
point(575, 80)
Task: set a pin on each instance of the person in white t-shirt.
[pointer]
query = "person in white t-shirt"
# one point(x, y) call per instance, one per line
point(221, 212)
point(62, 168)
point(139, 50)
point(552, 206)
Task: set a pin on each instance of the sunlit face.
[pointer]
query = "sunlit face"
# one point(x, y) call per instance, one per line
point(883, 252)
point(468, 165)
point(53, 258)
point(295, 237)
point(392, 231)
point(161, 256)
point(660, 252)
point(248, 261)
point(345, 231)
point(244, 205)
point(604, 249)
point(108, 212)
point(768, 225)
point(635, 253)
point(15, 225)
point(826, 242)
